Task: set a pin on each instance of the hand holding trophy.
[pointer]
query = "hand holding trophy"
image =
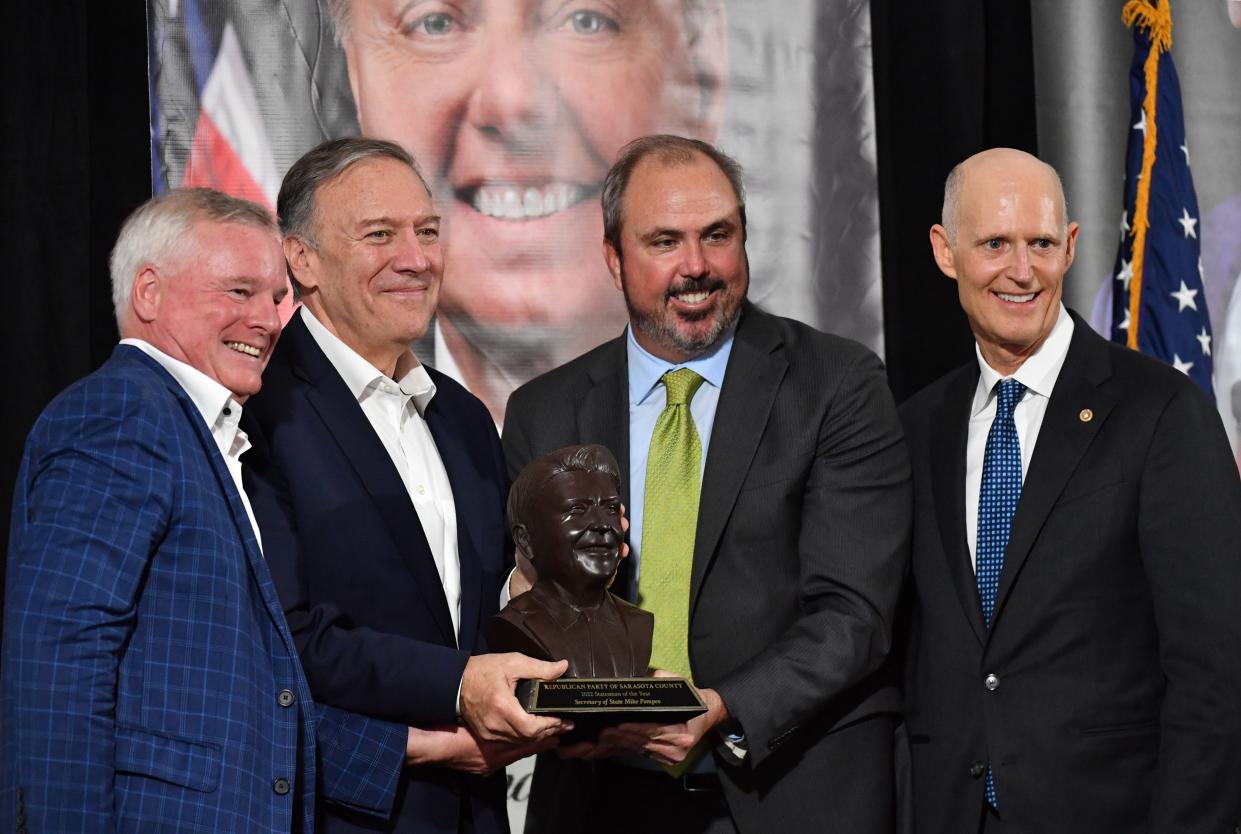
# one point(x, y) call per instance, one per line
point(565, 515)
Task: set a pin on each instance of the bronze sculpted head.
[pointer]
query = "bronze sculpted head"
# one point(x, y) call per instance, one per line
point(565, 516)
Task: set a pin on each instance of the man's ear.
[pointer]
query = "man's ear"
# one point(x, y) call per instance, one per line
point(1070, 246)
point(613, 260)
point(299, 256)
point(521, 537)
point(941, 248)
point(146, 294)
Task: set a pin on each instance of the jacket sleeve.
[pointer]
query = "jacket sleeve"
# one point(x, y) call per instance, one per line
point(1189, 538)
point(852, 553)
point(92, 506)
point(360, 760)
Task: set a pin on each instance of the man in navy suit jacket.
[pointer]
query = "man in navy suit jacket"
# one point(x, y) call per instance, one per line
point(150, 681)
point(394, 478)
point(1103, 692)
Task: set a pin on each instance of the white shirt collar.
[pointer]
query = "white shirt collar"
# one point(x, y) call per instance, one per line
point(360, 376)
point(1040, 370)
point(445, 362)
point(209, 397)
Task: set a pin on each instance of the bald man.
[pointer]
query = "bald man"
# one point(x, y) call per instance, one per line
point(1072, 656)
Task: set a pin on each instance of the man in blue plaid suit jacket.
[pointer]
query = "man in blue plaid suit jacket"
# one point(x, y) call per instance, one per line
point(150, 681)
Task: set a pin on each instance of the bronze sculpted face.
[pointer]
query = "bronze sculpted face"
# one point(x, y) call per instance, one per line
point(573, 532)
point(565, 513)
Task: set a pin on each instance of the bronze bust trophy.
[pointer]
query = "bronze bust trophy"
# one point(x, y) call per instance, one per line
point(565, 515)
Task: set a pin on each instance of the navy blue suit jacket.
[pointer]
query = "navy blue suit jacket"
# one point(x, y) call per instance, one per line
point(150, 681)
point(362, 593)
point(1115, 704)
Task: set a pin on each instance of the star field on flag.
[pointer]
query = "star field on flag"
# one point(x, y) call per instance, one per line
point(1168, 319)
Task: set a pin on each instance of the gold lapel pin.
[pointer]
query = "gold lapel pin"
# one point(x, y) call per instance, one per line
point(1086, 415)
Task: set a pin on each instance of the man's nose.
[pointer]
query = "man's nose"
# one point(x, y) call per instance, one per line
point(413, 255)
point(511, 91)
point(694, 262)
point(265, 314)
point(1019, 268)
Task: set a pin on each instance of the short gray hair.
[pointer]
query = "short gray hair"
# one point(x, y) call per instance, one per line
point(296, 204)
point(952, 199)
point(670, 151)
point(156, 228)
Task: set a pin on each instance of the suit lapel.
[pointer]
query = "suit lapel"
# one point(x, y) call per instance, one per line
point(463, 477)
point(756, 368)
point(1062, 440)
point(255, 562)
point(602, 409)
point(949, 430)
point(348, 427)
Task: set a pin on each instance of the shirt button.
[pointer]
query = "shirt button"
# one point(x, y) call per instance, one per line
point(991, 682)
point(285, 698)
point(977, 769)
point(281, 786)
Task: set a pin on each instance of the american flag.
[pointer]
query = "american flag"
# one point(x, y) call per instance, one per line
point(207, 123)
point(1159, 303)
point(230, 150)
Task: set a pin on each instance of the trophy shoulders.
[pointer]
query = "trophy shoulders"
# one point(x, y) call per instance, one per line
point(629, 611)
point(513, 630)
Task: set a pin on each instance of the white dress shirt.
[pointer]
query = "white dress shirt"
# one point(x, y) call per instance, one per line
point(1038, 374)
point(220, 411)
point(395, 410)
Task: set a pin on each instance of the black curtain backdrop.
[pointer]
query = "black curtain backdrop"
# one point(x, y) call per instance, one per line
point(951, 78)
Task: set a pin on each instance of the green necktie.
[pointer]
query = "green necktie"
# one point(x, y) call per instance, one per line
point(669, 520)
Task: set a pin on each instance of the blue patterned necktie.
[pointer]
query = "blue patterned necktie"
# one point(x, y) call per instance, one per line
point(997, 502)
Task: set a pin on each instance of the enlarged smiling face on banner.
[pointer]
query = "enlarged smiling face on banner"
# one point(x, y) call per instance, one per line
point(515, 110)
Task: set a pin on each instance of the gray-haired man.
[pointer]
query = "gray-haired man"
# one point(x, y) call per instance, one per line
point(396, 484)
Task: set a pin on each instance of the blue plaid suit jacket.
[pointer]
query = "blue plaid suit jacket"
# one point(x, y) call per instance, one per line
point(149, 681)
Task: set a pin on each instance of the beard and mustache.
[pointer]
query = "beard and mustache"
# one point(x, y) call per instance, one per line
point(661, 326)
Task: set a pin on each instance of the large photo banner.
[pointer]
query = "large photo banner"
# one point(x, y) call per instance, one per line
point(514, 110)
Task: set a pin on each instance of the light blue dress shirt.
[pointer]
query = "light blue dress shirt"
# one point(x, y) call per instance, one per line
point(647, 398)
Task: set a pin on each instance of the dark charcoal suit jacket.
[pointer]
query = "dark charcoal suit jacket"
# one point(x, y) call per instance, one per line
point(800, 551)
point(1115, 641)
point(362, 594)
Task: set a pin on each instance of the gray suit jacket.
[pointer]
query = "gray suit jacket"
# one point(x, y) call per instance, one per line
point(801, 548)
